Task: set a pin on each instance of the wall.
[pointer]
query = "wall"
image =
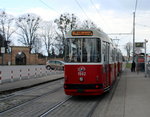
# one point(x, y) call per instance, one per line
point(31, 59)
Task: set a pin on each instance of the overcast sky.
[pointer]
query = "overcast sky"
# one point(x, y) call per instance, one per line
point(112, 16)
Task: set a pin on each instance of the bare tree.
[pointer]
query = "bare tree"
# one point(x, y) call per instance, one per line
point(88, 24)
point(6, 28)
point(65, 23)
point(37, 46)
point(28, 26)
point(128, 48)
point(48, 34)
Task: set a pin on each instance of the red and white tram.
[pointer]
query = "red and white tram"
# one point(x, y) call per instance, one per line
point(91, 62)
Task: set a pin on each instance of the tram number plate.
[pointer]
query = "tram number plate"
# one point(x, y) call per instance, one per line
point(80, 90)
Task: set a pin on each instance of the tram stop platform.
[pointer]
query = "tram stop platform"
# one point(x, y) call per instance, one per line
point(131, 97)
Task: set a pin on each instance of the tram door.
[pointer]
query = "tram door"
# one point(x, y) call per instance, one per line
point(106, 47)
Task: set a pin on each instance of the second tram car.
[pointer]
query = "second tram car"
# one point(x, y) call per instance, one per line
point(92, 62)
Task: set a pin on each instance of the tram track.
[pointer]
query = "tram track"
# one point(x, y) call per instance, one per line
point(36, 106)
point(27, 89)
point(102, 110)
point(89, 114)
point(93, 109)
point(55, 106)
point(74, 107)
point(23, 97)
point(22, 104)
point(82, 106)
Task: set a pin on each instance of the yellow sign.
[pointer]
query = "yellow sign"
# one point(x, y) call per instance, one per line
point(82, 33)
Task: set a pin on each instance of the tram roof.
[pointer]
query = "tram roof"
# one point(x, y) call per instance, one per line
point(95, 33)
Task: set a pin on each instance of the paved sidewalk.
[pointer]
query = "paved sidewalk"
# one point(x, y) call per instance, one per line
point(29, 82)
point(132, 96)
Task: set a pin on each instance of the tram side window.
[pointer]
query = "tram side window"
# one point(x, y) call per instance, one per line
point(104, 51)
point(66, 51)
point(113, 55)
point(106, 54)
point(98, 50)
point(117, 58)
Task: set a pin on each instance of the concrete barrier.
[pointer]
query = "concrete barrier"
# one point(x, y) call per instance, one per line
point(13, 73)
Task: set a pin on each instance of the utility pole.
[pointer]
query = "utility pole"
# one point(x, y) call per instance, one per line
point(133, 36)
point(3, 49)
point(145, 59)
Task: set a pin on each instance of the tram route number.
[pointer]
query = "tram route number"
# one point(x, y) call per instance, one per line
point(81, 73)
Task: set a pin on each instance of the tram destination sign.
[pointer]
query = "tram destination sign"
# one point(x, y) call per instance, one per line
point(82, 33)
point(139, 44)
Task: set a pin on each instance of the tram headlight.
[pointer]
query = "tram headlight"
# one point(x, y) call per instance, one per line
point(81, 79)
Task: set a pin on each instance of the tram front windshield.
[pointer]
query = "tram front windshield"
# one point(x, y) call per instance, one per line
point(83, 50)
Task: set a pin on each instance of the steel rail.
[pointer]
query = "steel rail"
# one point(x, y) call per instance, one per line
point(29, 101)
point(55, 106)
point(26, 90)
point(109, 98)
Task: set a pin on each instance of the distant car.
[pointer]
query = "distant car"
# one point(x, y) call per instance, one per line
point(54, 64)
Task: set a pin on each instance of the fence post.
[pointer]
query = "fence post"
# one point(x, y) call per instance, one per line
point(28, 73)
point(20, 74)
point(35, 75)
point(40, 71)
point(0, 77)
point(12, 76)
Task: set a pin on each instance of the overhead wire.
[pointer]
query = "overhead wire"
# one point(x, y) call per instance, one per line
point(49, 6)
point(115, 40)
point(77, 2)
point(143, 25)
point(93, 4)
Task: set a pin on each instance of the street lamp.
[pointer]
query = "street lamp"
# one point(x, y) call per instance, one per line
point(145, 59)
point(133, 36)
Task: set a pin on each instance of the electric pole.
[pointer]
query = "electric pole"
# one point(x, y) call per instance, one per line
point(133, 36)
point(3, 49)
